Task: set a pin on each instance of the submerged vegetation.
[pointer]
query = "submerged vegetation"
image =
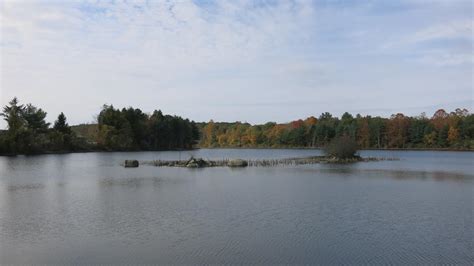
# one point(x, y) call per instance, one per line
point(200, 163)
point(130, 129)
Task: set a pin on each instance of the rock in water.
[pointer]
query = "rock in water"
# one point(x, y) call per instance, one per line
point(196, 163)
point(192, 165)
point(131, 163)
point(237, 163)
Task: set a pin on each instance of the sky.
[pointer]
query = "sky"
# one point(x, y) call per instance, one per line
point(249, 61)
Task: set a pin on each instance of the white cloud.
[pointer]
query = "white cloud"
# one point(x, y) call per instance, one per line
point(442, 58)
point(447, 31)
point(455, 29)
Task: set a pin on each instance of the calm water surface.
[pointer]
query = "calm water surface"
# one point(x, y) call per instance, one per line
point(86, 208)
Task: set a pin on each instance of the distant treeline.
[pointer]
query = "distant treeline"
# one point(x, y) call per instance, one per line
point(443, 130)
point(117, 130)
point(130, 129)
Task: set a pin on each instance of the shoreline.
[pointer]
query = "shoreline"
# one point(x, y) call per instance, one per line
point(321, 148)
point(86, 151)
point(239, 148)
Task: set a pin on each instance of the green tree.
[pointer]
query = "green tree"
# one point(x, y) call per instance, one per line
point(443, 134)
point(27, 127)
point(62, 136)
point(325, 129)
point(16, 125)
point(419, 127)
point(61, 125)
point(137, 120)
point(35, 119)
point(13, 115)
point(115, 132)
point(377, 132)
point(347, 126)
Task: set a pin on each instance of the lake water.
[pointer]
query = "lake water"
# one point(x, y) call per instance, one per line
point(86, 208)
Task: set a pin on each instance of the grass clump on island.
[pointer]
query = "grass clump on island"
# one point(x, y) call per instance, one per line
point(342, 148)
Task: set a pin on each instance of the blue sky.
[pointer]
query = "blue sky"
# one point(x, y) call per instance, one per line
point(253, 61)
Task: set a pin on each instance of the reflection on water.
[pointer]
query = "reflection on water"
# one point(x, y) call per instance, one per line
point(85, 208)
point(138, 181)
point(394, 173)
point(25, 187)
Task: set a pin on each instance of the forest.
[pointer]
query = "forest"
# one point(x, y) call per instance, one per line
point(454, 130)
point(130, 129)
point(127, 129)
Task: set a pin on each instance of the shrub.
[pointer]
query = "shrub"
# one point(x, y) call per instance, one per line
point(342, 147)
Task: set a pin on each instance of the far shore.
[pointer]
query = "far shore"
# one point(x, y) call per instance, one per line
point(240, 148)
point(320, 148)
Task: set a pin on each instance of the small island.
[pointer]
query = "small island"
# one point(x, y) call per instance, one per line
point(201, 163)
point(341, 150)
